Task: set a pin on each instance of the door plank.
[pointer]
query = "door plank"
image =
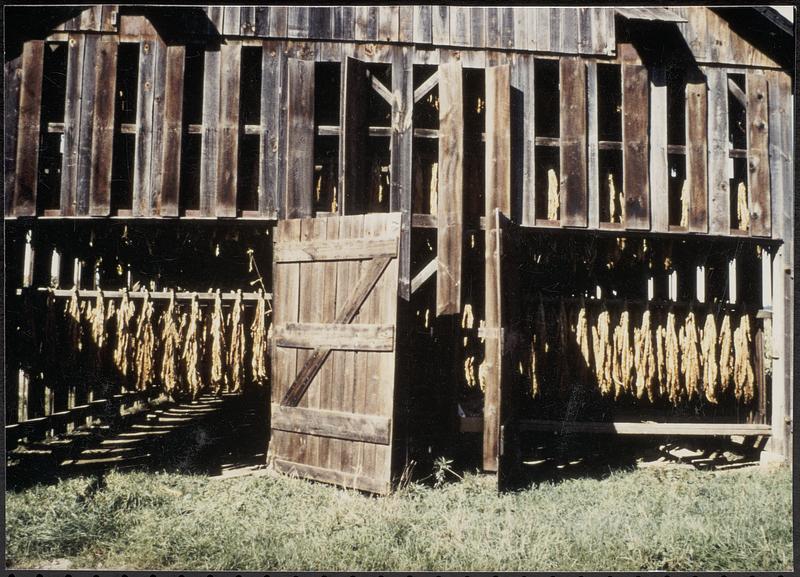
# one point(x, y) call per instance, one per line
point(336, 424)
point(354, 337)
point(635, 115)
point(103, 130)
point(173, 116)
point(758, 182)
point(230, 73)
point(573, 184)
point(299, 138)
point(697, 155)
point(342, 249)
point(27, 134)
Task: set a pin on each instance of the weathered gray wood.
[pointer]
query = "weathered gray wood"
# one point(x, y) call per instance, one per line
point(157, 122)
point(440, 28)
point(28, 91)
point(388, 23)
point(110, 18)
point(299, 138)
point(12, 77)
point(247, 21)
point(353, 337)
point(570, 30)
point(779, 149)
point(271, 88)
point(173, 115)
point(573, 186)
point(758, 181)
point(340, 425)
point(593, 169)
point(405, 29)
point(83, 173)
point(400, 191)
point(91, 18)
point(355, 130)
point(427, 272)
point(555, 27)
point(277, 21)
point(334, 477)
point(635, 146)
point(227, 168)
point(210, 136)
point(348, 23)
point(366, 22)
point(297, 22)
point(659, 174)
point(262, 21)
point(348, 249)
point(493, 25)
point(506, 18)
point(586, 23)
point(477, 25)
point(697, 155)
point(320, 22)
point(520, 38)
point(423, 31)
point(72, 118)
point(370, 275)
point(103, 129)
point(718, 186)
point(450, 210)
point(142, 186)
point(459, 26)
point(230, 20)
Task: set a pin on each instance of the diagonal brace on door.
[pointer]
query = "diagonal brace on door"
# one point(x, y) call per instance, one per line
point(373, 272)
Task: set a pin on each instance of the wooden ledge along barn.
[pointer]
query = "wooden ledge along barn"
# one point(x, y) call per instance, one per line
point(406, 225)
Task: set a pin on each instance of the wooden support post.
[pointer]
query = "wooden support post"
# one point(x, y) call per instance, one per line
point(780, 415)
point(659, 178)
point(55, 269)
point(299, 139)
point(450, 213)
point(30, 98)
point(401, 147)
point(766, 279)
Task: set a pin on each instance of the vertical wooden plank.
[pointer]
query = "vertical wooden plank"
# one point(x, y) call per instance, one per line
point(85, 128)
point(366, 22)
point(354, 136)
point(157, 122)
point(401, 158)
point(348, 23)
point(262, 21)
point(659, 177)
point(341, 361)
point(300, 138)
point(697, 155)
point(635, 171)
point(297, 22)
point(209, 138)
point(231, 20)
point(758, 182)
point(110, 18)
point(449, 210)
point(477, 25)
point(573, 142)
point(585, 27)
point(388, 23)
point(142, 189)
point(780, 147)
point(230, 72)
point(493, 24)
point(271, 87)
point(320, 22)
point(440, 25)
point(72, 118)
point(277, 21)
point(405, 29)
point(247, 21)
point(542, 30)
point(459, 28)
point(422, 24)
point(103, 129)
point(329, 382)
point(26, 134)
point(556, 26)
point(497, 199)
point(12, 78)
point(91, 18)
point(520, 41)
point(173, 117)
point(570, 30)
point(718, 186)
point(506, 27)
point(592, 159)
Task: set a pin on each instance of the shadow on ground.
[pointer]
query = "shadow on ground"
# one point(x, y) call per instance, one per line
point(211, 436)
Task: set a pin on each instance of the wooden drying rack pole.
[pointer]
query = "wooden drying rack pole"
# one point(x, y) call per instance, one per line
point(655, 303)
point(155, 295)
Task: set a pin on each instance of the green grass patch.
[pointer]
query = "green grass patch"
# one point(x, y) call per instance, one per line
point(650, 519)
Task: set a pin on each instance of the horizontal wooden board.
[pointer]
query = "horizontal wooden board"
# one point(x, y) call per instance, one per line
point(349, 249)
point(333, 477)
point(353, 337)
point(323, 423)
point(475, 425)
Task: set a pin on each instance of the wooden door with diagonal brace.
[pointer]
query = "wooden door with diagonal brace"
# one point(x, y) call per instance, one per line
point(333, 346)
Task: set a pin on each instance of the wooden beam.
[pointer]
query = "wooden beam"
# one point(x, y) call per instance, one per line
point(173, 117)
point(336, 424)
point(449, 209)
point(12, 78)
point(30, 99)
point(343, 249)
point(659, 173)
point(269, 147)
point(758, 181)
point(719, 198)
point(352, 164)
point(210, 138)
point(300, 138)
point(228, 158)
point(401, 186)
point(145, 96)
point(426, 86)
point(427, 272)
point(72, 119)
point(573, 185)
point(635, 145)
point(353, 337)
point(593, 167)
point(103, 130)
point(381, 89)
point(697, 154)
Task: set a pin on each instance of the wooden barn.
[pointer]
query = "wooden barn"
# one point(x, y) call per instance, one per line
point(402, 226)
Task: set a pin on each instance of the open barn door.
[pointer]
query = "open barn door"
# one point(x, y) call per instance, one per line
point(335, 313)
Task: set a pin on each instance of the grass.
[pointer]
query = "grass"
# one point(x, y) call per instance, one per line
point(657, 519)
